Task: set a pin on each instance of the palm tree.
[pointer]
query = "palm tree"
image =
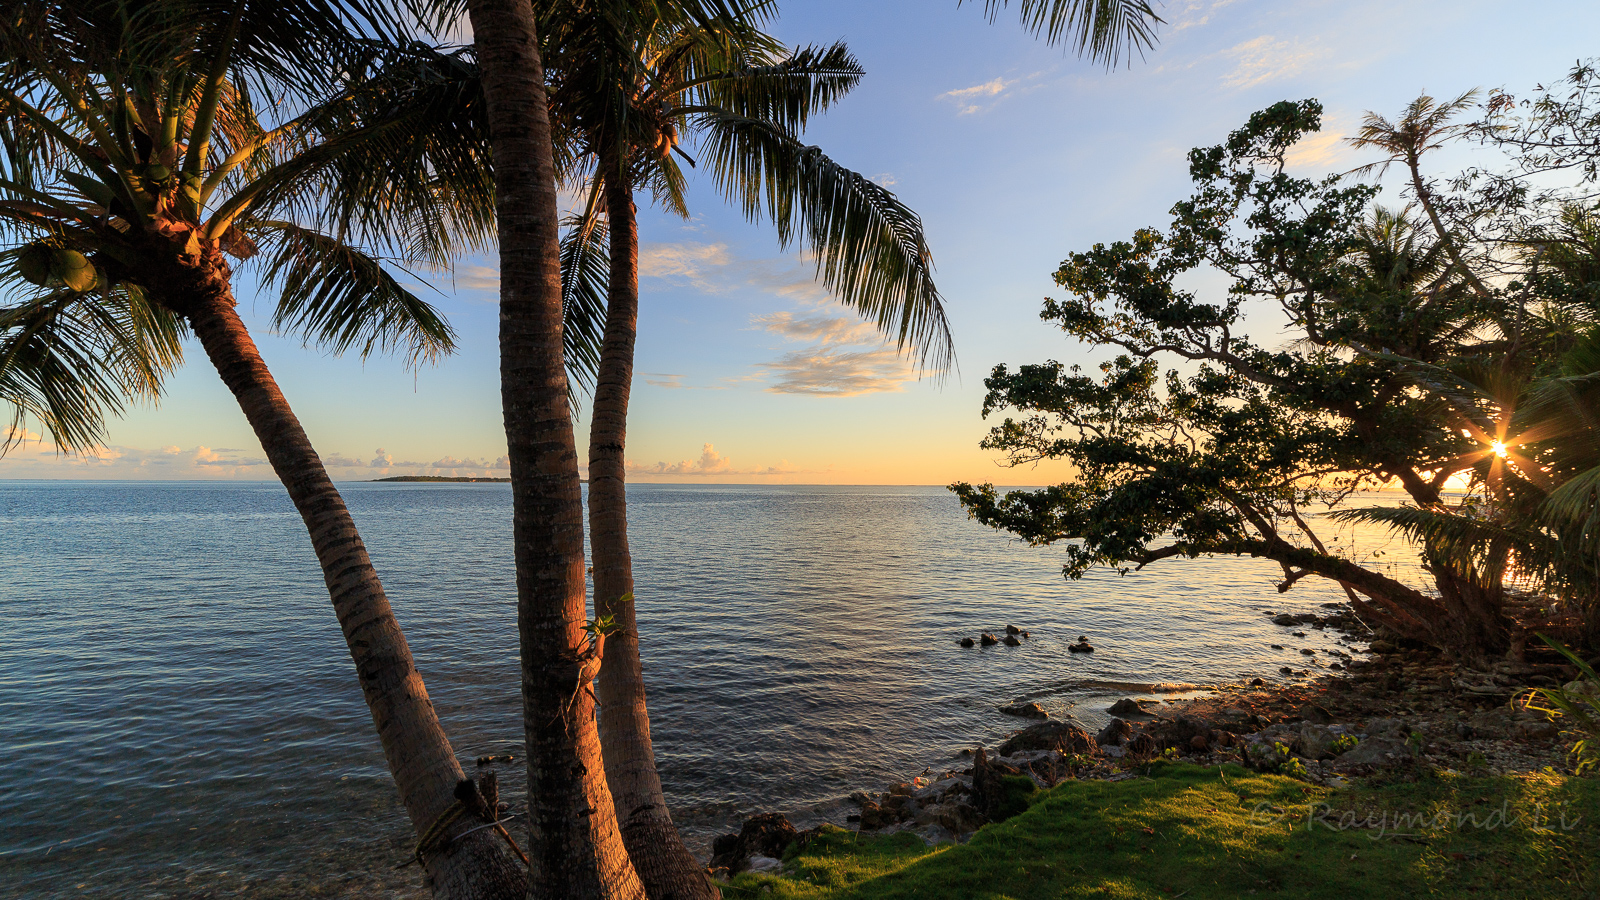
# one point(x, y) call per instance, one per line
point(135, 164)
point(736, 100)
point(574, 848)
point(625, 107)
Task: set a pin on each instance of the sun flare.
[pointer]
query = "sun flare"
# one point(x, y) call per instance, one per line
point(1499, 449)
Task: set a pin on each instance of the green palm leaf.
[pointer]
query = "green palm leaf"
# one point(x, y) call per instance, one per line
point(1103, 30)
point(870, 247)
point(68, 360)
point(334, 294)
point(585, 274)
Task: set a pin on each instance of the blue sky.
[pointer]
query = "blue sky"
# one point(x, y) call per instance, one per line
point(1014, 153)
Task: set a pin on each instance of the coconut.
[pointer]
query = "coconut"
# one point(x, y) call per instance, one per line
point(33, 263)
point(157, 173)
point(75, 270)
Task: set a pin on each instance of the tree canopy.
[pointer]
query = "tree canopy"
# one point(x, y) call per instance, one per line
point(1390, 313)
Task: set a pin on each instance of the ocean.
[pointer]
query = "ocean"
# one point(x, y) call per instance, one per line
point(179, 717)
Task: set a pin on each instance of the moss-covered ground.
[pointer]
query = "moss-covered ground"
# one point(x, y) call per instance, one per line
point(1192, 832)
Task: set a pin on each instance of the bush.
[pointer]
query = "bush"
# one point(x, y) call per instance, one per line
point(1575, 707)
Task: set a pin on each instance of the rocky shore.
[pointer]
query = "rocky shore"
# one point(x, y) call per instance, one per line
point(1386, 710)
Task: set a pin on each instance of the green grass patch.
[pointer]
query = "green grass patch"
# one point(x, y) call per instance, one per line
point(1209, 833)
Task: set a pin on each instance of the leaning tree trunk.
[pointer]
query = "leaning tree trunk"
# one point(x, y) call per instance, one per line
point(478, 866)
point(575, 849)
point(667, 868)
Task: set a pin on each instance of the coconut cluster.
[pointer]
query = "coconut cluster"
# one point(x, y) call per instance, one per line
point(49, 264)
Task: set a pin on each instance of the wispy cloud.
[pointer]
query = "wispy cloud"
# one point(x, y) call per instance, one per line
point(712, 268)
point(847, 357)
point(1324, 151)
point(478, 278)
point(688, 260)
point(1196, 14)
point(675, 382)
point(969, 100)
point(1266, 58)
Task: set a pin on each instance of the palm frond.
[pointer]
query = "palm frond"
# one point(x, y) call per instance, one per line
point(336, 295)
point(787, 92)
point(1105, 31)
point(69, 361)
point(399, 161)
point(585, 278)
point(870, 248)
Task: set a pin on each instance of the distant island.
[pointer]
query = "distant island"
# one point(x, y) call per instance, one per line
point(440, 478)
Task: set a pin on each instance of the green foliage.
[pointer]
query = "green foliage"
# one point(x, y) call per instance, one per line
point(1576, 707)
point(734, 101)
point(1411, 356)
point(606, 625)
point(1275, 758)
point(1225, 458)
point(1105, 31)
point(144, 144)
point(1344, 743)
point(1228, 833)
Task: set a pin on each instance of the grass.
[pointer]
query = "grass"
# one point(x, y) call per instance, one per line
point(1193, 832)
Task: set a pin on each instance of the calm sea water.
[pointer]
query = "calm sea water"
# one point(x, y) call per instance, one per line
point(179, 718)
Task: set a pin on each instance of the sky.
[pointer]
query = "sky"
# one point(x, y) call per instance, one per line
point(1013, 152)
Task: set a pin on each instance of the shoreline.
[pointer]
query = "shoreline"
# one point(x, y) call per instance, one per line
point(1393, 714)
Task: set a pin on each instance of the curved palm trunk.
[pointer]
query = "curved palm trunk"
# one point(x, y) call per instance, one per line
point(479, 866)
point(667, 868)
point(575, 849)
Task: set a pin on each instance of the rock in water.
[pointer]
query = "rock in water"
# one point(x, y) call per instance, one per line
point(968, 642)
point(1126, 707)
point(1284, 619)
point(988, 640)
point(1011, 641)
point(1063, 736)
point(1026, 710)
point(1012, 629)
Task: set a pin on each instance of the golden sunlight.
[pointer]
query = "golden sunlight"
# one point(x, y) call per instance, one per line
point(1499, 449)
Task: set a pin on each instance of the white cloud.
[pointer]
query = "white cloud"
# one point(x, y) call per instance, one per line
point(1266, 58)
point(979, 97)
point(821, 327)
point(712, 268)
point(884, 179)
point(689, 260)
point(847, 357)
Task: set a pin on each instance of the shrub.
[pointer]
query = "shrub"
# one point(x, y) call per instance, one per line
point(1576, 707)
